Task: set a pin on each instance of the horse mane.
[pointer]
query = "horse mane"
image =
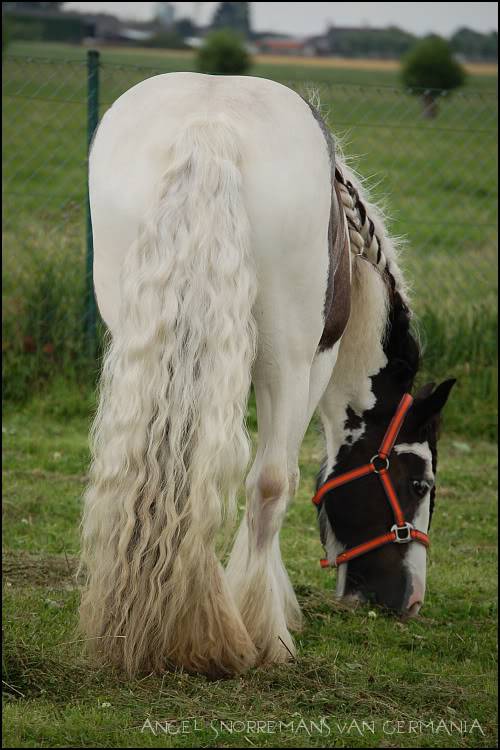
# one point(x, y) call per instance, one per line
point(366, 219)
point(380, 306)
point(367, 225)
point(371, 241)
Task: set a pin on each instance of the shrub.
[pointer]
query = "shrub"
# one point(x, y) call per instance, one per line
point(430, 65)
point(223, 52)
point(430, 68)
point(43, 331)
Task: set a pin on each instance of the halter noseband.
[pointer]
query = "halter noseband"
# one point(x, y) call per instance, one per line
point(402, 531)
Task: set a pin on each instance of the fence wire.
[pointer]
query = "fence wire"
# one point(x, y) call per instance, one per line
point(436, 178)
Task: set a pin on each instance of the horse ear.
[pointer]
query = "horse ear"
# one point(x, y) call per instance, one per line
point(429, 403)
point(425, 391)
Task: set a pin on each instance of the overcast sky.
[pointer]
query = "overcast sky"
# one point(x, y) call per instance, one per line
point(311, 18)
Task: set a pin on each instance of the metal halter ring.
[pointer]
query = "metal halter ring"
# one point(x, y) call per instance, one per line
point(378, 457)
point(403, 533)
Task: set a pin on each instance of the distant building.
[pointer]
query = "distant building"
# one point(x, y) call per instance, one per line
point(389, 43)
point(319, 44)
point(51, 23)
point(137, 31)
point(194, 42)
point(281, 46)
point(127, 34)
point(101, 26)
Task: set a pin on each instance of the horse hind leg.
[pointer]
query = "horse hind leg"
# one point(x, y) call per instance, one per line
point(255, 572)
point(284, 387)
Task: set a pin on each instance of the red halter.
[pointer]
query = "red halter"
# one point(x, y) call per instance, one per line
point(402, 531)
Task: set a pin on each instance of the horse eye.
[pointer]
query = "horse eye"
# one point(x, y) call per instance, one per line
point(421, 487)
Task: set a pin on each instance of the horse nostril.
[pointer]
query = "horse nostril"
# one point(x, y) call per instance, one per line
point(413, 610)
point(352, 600)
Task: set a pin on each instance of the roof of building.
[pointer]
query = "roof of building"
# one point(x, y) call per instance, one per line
point(281, 43)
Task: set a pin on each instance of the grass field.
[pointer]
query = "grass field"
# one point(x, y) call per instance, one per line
point(438, 180)
point(350, 668)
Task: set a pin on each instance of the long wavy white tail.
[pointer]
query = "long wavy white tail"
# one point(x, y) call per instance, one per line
point(169, 442)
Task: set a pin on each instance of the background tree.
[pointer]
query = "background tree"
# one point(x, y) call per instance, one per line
point(223, 52)
point(430, 68)
point(185, 27)
point(473, 45)
point(235, 16)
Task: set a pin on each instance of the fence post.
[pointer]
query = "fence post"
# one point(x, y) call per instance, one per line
point(92, 121)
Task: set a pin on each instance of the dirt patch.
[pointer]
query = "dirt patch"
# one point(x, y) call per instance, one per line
point(26, 569)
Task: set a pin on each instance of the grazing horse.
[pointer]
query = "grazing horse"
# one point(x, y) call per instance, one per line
point(232, 246)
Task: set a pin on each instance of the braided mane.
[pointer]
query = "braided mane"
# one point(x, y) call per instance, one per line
point(366, 242)
point(368, 235)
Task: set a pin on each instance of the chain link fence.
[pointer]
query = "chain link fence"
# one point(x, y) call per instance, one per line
point(435, 176)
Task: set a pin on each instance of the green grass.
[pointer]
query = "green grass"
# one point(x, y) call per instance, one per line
point(351, 666)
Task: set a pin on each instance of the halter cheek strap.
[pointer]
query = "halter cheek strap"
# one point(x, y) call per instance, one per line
point(402, 532)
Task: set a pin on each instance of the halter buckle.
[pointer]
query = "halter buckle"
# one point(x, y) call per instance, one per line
point(378, 457)
point(403, 533)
